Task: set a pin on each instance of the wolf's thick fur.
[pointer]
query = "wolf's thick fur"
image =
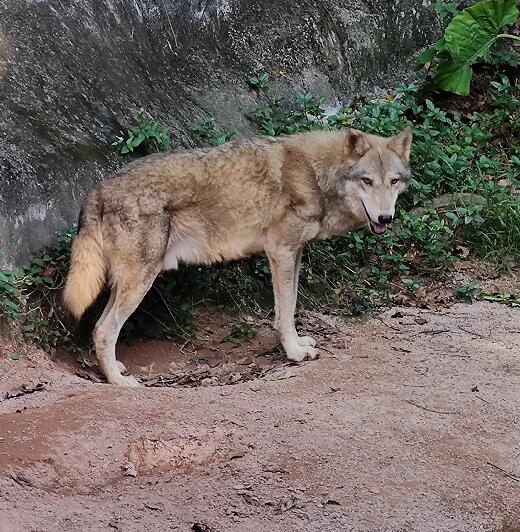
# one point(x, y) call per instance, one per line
point(204, 206)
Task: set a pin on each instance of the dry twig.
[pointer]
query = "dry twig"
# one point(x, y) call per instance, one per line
point(430, 409)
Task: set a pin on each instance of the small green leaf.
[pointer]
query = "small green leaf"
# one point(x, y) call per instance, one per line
point(445, 9)
point(429, 54)
point(13, 306)
point(137, 140)
point(15, 356)
point(426, 57)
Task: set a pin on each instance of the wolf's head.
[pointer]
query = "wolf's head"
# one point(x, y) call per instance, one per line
point(378, 171)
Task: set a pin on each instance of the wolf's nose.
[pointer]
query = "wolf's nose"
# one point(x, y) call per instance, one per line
point(385, 218)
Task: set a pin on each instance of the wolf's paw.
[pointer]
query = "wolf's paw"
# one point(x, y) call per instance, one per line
point(128, 381)
point(120, 366)
point(305, 341)
point(300, 352)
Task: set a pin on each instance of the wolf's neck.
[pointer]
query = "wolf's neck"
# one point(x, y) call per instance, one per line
point(325, 151)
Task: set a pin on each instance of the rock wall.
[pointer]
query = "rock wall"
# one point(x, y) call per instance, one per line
point(72, 72)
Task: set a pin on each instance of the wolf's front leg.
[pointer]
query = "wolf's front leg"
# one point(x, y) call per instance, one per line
point(284, 265)
point(302, 340)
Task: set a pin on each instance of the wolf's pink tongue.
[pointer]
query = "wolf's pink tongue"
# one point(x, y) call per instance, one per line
point(378, 228)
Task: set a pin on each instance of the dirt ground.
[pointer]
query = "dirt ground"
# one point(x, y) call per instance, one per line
point(409, 421)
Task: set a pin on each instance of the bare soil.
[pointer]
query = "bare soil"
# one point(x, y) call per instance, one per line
point(408, 421)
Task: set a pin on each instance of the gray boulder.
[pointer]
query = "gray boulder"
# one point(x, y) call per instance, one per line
point(72, 72)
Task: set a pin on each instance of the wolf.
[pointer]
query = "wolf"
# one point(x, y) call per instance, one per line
point(252, 195)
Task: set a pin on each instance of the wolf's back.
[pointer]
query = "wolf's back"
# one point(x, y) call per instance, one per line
point(88, 269)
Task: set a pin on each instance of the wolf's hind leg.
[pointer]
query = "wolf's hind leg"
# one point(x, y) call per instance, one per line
point(126, 295)
point(120, 365)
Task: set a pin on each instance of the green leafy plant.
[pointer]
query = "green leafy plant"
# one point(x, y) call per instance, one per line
point(12, 297)
point(240, 332)
point(260, 83)
point(212, 135)
point(505, 299)
point(410, 285)
point(145, 136)
point(467, 292)
point(305, 113)
point(30, 295)
point(464, 192)
point(469, 37)
point(466, 215)
point(445, 9)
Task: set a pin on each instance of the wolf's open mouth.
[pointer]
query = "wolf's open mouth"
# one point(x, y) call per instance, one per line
point(376, 228)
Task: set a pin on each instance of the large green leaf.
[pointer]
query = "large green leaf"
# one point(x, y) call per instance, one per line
point(474, 30)
point(468, 37)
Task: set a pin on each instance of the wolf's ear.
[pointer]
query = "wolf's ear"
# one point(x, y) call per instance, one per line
point(357, 142)
point(402, 143)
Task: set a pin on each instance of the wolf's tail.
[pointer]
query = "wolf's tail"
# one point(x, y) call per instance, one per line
point(88, 269)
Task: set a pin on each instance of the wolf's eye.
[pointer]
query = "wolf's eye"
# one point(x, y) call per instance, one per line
point(394, 181)
point(367, 181)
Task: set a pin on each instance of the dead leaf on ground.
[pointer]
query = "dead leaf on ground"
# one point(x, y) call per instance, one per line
point(332, 502)
point(49, 271)
point(25, 390)
point(462, 265)
point(115, 523)
point(21, 479)
point(89, 376)
point(286, 504)
point(157, 506)
point(402, 298)
point(239, 452)
point(242, 487)
point(462, 251)
point(181, 379)
point(129, 469)
point(249, 498)
point(201, 527)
